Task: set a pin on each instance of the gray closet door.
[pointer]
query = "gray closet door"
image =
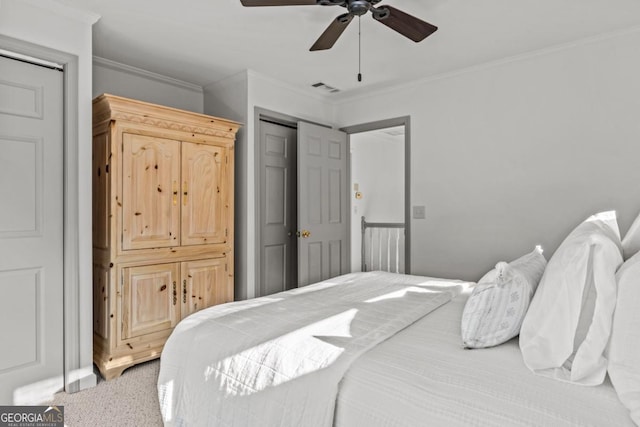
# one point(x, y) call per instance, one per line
point(31, 234)
point(278, 206)
point(322, 203)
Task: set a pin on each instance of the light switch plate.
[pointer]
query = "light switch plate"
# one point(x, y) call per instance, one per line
point(419, 212)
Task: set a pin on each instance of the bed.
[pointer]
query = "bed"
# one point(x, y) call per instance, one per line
point(364, 349)
point(532, 343)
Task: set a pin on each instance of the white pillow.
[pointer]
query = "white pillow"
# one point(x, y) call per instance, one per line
point(631, 241)
point(494, 312)
point(565, 332)
point(624, 350)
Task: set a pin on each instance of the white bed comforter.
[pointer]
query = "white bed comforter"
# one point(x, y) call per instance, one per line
point(278, 360)
point(423, 376)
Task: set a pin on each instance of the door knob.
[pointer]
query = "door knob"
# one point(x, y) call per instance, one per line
point(305, 234)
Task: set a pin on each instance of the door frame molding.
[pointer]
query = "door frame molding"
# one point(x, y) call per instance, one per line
point(74, 373)
point(383, 124)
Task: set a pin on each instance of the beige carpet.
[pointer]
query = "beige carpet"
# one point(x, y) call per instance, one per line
point(130, 400)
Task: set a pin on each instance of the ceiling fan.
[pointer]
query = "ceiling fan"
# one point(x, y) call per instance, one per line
point(405, 24)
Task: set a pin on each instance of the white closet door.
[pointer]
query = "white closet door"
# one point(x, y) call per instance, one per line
point(31, 235)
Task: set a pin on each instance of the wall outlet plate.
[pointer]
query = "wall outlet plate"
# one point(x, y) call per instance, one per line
point(419, 212)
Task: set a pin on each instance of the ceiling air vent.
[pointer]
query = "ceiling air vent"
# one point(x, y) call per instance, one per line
point(325, 87)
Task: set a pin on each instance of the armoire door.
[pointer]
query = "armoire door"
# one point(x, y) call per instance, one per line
point(204, 194)
point(31, 232)
point(204, 283)
point(150, 192)
point(150, 300)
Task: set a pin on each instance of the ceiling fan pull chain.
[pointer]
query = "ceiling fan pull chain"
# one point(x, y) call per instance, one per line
point(359, 52)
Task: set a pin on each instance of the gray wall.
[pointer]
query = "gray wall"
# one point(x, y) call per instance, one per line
point(228, 99)
point(130, 82)
point(516, 153)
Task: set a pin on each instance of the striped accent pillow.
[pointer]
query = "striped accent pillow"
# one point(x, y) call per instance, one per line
point(494, 312)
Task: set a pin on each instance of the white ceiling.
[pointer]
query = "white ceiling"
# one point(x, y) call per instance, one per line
point(203, 41)
point(393, 135)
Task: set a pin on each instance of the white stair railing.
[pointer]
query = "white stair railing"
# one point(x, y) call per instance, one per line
point(382, 246)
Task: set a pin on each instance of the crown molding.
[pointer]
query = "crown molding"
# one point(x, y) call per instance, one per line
point(279, 83)
point(117, 66)
point(249, 75)
point(70, 12)
point(234, 78)
point(487, 65)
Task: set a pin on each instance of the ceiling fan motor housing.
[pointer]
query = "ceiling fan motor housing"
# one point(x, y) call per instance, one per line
point(355, 7)
point(358, 7)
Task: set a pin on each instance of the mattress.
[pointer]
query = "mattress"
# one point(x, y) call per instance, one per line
point(423, 377)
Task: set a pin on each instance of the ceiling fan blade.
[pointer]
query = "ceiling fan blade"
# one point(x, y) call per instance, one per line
point(407, 25)
point(332, 33)
point(250, 3)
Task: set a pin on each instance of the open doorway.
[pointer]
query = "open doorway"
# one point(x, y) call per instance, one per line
point(380, 192)
point(377, 200)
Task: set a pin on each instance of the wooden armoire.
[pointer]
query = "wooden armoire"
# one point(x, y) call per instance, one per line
point(162, 224)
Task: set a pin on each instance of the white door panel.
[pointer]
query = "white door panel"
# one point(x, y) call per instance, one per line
point(322, 203)
point(31, 234)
